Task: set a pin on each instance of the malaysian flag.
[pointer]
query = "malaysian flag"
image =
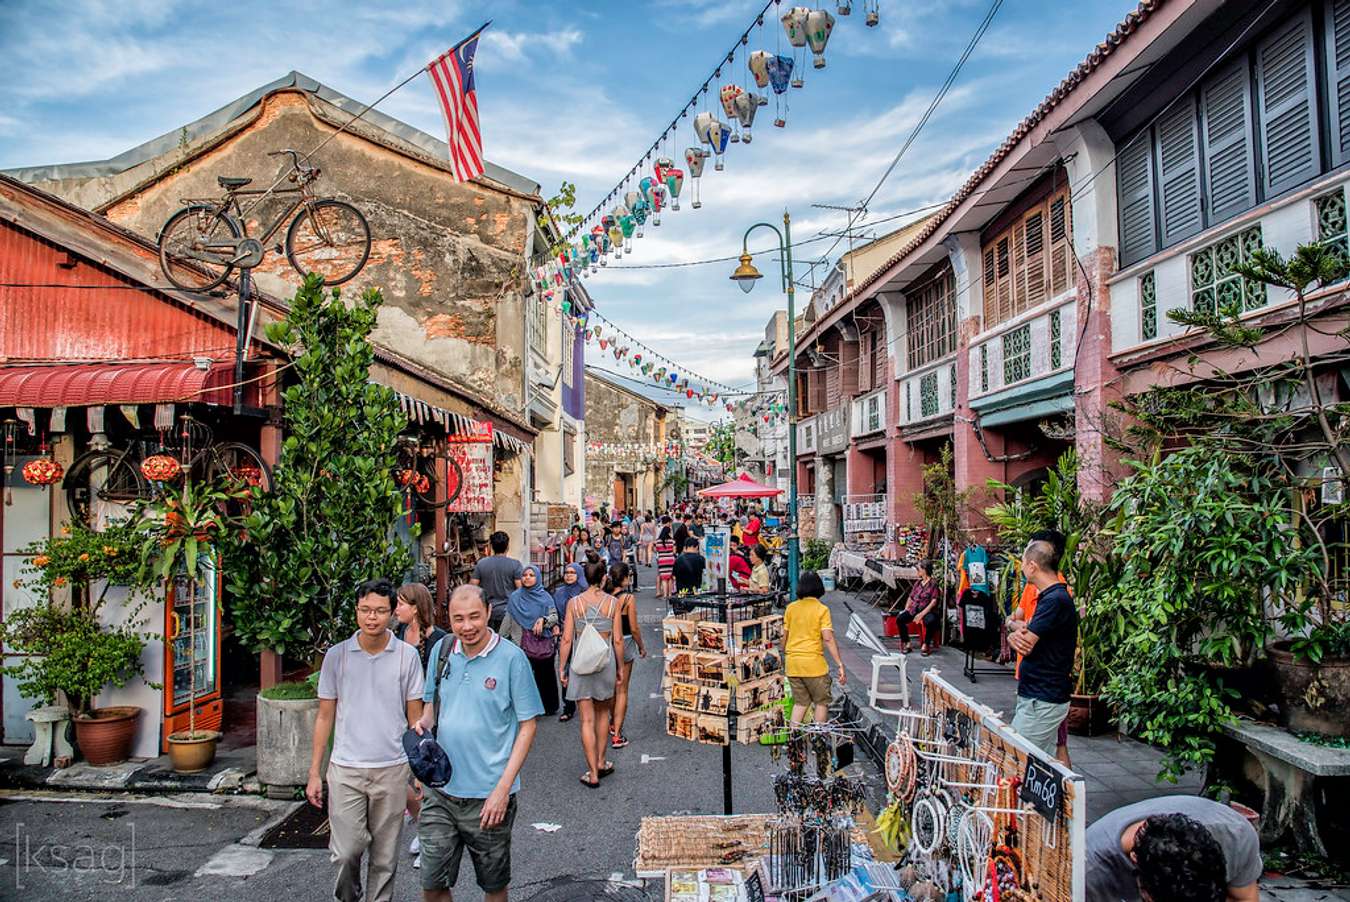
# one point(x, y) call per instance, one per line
point(452, 72)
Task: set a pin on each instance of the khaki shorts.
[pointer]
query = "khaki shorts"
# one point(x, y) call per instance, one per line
point(1039, 721)
point(810, 690)
point(446, 826)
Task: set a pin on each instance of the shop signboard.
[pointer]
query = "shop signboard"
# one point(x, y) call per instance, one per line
point(832, 430)
point(717, 551)
point(470, 470)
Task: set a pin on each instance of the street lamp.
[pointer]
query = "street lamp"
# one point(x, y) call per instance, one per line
point(745, 276)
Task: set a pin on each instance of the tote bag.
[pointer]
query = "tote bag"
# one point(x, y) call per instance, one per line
point(592, 650)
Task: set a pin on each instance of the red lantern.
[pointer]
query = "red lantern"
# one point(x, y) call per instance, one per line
point(689, 392)
point(43, 471)
point(406, 477)
point(161, 468)
point(249, 475)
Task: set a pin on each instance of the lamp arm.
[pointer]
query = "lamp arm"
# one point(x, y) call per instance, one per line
point(782, 248)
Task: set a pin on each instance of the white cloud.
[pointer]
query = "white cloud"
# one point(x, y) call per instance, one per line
point(499, 45)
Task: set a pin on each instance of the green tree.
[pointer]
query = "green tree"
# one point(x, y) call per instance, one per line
point(722, 443)
point(327, 525)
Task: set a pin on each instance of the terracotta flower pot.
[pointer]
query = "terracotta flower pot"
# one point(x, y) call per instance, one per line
point(105, 736)
point(192, 753)
point(1313, 697)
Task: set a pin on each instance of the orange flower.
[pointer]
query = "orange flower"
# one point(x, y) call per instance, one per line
point(42, 560)
point(110, 550)
point(65, 530)
point(59, 581)
point(18, 584)
point(85, 556)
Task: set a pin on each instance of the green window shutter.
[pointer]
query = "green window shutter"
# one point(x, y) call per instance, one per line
point(1287, 107)
point(1338, 76)
point(1134, 165)
point(1226, 118)
point(1179, 172)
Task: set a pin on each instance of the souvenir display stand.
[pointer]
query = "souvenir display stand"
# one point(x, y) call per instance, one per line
point(976, 811)
point(723, 674)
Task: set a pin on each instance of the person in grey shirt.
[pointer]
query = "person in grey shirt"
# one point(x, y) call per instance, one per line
point(498, 576)
point(1175, 848)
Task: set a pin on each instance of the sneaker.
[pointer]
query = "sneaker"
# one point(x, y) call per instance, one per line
point(415, 846)
point(417, 862)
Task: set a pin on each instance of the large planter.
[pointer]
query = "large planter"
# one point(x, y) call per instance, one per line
point(1088, 715)
point(192, 753)
point(285, 740)
point(1312, 697)
point(105, 736)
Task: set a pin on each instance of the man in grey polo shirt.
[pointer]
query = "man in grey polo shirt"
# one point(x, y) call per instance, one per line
point(498, 576)
point(370, 686)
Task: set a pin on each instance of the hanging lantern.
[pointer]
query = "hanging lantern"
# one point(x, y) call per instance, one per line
point(729, 93)
point(843, 7)
point(161, 468)
point(819, 24)
point(719, 134)
point(657, 197)
point(674, 180)
point(693, 158)
point(674, 377)
point(746, 105)
point(873, 16)
point(43, 471)
point(794, 23)
point(780, 72)
point(758, 64)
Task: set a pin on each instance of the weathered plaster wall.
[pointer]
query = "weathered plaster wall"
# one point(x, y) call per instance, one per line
point(613, 415)
point(447, 256)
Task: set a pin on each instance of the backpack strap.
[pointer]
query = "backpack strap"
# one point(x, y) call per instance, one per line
point(442, 665)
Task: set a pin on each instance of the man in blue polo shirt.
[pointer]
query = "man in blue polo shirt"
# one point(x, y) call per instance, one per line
point(488, 705)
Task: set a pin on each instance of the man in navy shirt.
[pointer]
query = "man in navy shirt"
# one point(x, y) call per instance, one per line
point(1048, 643)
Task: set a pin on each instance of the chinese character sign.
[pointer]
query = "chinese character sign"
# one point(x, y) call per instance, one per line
point(471, 466)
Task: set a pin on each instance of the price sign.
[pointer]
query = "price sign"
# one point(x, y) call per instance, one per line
point(1042, 788)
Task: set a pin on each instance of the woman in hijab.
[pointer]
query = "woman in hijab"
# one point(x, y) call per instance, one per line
point(573, 584)
point(530, 610)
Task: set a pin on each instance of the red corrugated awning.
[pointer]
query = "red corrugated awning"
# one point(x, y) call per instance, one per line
point(88, 384)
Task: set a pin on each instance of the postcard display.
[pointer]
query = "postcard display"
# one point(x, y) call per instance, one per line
point(724, 671)
point(975, 811)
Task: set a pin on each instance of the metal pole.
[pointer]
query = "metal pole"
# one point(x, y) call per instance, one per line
point(794, 552)
point(726, 766)
point(240, 338)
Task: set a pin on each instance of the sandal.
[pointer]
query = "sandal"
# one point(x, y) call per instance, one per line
point(606, 770)
point(564, 718)
point(587, 783)
point(617, 742)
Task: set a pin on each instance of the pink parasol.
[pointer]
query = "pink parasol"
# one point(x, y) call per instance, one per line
point(740, 487)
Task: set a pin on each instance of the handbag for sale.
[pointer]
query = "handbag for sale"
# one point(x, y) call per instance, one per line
point(592, 652)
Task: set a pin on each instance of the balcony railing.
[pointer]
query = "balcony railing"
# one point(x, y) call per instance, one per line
point(864, 513)
point(869, 413)
point(1036, 344)
point(928, 392)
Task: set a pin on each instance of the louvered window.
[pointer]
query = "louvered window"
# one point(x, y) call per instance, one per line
point(1226, 118)
point(1285, 76)
point(1017, 354)
point(930, 318)
point(1148, 306)
point(866, 345)
point(1029, 261)
point(1179, 173)
point(1338, 74)
point(1331, 222)
point(1134, 173)
point(833, 387)
point(1215, 286)
point(879, 360)
point(848, 369)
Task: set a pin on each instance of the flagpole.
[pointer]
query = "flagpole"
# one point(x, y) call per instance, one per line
point(369, 107)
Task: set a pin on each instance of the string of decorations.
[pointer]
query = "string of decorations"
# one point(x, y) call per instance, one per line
point(640, 197)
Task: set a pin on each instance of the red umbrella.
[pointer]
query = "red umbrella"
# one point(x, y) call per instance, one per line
point(740, 487)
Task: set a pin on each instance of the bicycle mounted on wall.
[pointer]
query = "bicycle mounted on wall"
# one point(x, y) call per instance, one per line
point(329, 237)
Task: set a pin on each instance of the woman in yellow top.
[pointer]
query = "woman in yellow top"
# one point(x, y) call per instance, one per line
point(807, 632)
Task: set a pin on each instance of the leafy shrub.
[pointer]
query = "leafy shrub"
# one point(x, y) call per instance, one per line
point(69, 651)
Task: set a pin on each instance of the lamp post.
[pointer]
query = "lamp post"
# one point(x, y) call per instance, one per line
point(746, 275)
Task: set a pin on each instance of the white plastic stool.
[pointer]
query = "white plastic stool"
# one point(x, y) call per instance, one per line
point(49, 743)
point(876, 695)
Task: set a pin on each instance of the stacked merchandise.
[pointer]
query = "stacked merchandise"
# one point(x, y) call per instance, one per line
point(724, 671)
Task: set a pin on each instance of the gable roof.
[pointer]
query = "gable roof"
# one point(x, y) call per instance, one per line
point(215, 121)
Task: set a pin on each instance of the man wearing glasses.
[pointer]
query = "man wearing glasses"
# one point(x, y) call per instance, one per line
point(370, 692)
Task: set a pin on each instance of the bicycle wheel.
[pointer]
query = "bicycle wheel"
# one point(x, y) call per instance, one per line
point(185, 255)
point(241, 464)
point(426, 497)
point(331, 238)
point(98, 481)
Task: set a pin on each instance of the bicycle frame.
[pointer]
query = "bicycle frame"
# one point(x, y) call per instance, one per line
point(230, 205)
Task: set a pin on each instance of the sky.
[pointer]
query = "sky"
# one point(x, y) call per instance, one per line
point(577, 92)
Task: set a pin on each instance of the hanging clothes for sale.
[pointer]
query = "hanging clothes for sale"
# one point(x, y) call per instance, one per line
point(974, 569)
point(980, 621)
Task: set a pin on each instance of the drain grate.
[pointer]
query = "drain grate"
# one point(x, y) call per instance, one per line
point(572, 889)
point(304, 828)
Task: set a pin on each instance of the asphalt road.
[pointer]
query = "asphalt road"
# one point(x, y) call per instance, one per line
point(148, 851)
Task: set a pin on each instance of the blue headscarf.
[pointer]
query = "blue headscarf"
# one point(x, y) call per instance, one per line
point(528, 605)
point(565, 593)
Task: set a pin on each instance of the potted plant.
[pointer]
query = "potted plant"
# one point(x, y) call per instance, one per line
point(181, 531)
point(66, 648)
point(286, 716)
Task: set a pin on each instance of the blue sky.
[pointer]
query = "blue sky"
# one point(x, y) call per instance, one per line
point(578, 91)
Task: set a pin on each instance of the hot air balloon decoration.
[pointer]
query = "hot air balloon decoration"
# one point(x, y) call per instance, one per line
point(627, 225)
point(794, 23)
point(657, 195)
point(729, 93)
point(674, 180)
point(747, 104)
point(693, 158)
point(780, 73)
point(640, 210)
point(758, 63)
point(872, 8)
point(818, 27)
point(616, 240)
point(719, 135)
point(844, 7)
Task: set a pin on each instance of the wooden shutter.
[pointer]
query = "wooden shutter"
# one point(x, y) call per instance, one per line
point(1033, 229)
point(990, 289)
point(1338, 77)
point(1179, 172)
point(831, 387)
point(867, 343)
point(1134, 171)
point(1287, 107)
point(1019, 269)
point(848, 368)
point(1062, 275)
point(879, 355)
point(1002, 259)
point(1226, 121)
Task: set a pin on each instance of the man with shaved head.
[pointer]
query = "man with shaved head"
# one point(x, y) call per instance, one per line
point(1048, 643)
